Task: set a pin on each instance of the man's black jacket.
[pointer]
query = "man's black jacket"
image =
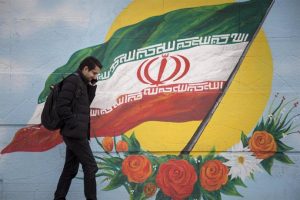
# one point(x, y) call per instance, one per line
point(73, 106)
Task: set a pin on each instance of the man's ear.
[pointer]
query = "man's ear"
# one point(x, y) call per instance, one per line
point(85, 68)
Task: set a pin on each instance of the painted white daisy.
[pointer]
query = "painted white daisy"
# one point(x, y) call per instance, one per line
point(241, 161)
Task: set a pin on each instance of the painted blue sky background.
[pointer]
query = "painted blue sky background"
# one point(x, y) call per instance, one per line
point(36, 37)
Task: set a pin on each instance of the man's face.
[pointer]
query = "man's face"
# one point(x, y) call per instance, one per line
point(90, 74)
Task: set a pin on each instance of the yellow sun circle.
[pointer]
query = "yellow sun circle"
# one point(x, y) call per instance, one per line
point(239, 110)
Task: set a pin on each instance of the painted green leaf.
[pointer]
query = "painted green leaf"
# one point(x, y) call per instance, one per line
point(117, 181)
point(104, 174)
point(267, 164)
point(138, 191)
point(238, 181)
point(271, 127)
point(185, 156)
point(281, 132)
point(133, 144)
point(220, 158)
point(124, 137)
point(161, 196)
point(283, 158)
point(281, 147)
point(210, 155)
point(162, 159)
point(278, 135)
point(199, 158)
point(166, 158)
point(153, 159)
point(109, 168)
point(260, 126)
point(113, 161)
point(229, 189)
point(211, 195)
point(193, 161)
point(133, 138)
point(244, 139)
point(127, 140)
point(107, 179)
point(196, 192)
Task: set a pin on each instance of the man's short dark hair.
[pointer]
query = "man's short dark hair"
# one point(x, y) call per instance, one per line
point(91, 62)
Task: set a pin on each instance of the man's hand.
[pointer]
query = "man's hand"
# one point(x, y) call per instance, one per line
point(93, 82)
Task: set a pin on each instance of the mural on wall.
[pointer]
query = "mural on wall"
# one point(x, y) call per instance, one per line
point(175, 82)
point(152, 75)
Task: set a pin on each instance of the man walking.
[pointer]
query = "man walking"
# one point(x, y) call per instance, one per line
point(73, 107)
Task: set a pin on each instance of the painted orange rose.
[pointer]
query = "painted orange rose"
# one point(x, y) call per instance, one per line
point(149, 189)
point(213, 175)
point(108, 144)
point(176, 178)
point(122, 146)
point(262, 144)
point(137, 168)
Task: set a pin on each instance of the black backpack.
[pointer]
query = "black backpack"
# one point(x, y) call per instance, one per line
point(49, 118)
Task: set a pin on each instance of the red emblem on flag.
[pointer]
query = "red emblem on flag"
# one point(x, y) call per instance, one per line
point(157, 71)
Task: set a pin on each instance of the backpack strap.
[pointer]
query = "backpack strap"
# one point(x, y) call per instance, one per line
point(78, 89)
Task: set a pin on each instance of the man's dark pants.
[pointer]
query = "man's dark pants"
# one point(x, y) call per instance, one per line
point(77, 151)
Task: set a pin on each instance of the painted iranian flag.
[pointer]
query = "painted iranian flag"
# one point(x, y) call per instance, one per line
point(172, 68)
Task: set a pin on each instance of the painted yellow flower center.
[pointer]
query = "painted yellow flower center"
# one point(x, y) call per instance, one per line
point(241, 159)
